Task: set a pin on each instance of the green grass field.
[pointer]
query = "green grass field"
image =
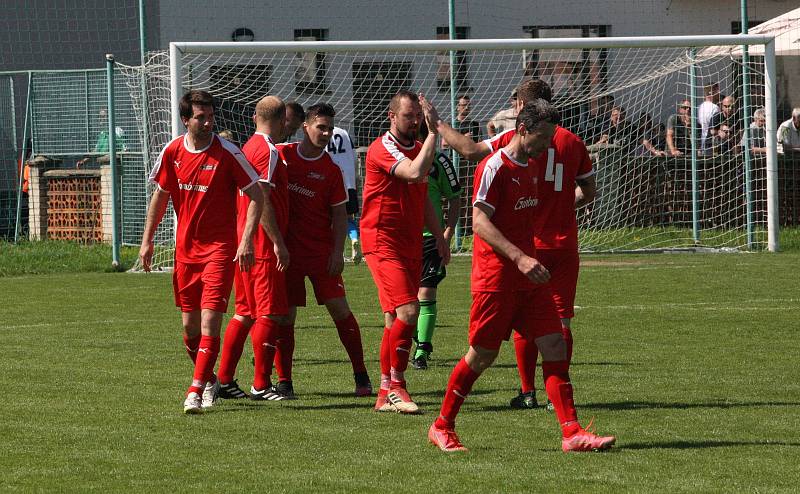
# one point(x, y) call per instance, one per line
point(690, 359)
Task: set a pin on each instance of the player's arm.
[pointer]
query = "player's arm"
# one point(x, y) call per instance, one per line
point(433, 224)
point(464, 145)
point(416, 170)
point(270, 225)
point(585, 190)
point(482, 226)
point(244, 253)
point(453, 209)
point(155, 213)
point(339, 227)
point(491, 129)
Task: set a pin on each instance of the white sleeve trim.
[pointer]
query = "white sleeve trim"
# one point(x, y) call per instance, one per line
point(585, 175)
point(239, 156)
point(487, 177)
point(478, 201)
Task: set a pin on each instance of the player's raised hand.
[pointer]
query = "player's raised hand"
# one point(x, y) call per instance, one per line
point(245, 255)
point(533, 270)
point(431, 115)
point(282, 254)
point(146, 255)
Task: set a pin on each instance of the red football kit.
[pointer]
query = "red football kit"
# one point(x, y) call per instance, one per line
point(504, 298)
point(555, 227)
point(392, 221)
point(315, 186)
point(202, 185)
point(261, 291)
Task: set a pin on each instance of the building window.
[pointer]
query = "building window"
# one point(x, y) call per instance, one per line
point(461, 62)
point(374, 84)
point(237, 88)
point(311, 69)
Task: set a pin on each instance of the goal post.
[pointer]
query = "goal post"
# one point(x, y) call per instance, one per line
point(645, 202)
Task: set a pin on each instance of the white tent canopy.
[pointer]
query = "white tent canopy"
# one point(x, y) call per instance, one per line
point(785, 28)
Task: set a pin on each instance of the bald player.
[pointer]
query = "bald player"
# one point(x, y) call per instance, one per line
point(261, 291)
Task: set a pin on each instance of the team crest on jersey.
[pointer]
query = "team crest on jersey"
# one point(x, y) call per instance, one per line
point(315, 176)
point(208, 168)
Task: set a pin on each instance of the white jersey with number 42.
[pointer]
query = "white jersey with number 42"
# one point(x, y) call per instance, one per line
point(343, 154)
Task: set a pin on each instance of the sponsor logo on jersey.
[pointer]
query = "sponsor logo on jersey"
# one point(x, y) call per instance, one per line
point(315, 176)
point(525, 202)
point(302, 190)
point(177, 163)
point(515, 180)
point(208, 167)
point(192, 187)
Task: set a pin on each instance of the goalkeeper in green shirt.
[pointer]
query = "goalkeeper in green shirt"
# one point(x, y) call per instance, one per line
point(442, 186)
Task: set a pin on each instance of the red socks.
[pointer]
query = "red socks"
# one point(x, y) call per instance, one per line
point(458, 387)
point(559, 391)
point(284, 352)
point(191, 345)
point(206, 358)
point(400, 337)
point(527, 353)
point(350, 336)
point(386, 358)
point(265, 340)
point(232, 345)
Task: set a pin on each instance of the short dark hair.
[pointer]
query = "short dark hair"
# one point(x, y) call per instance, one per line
point(394, 103)
point(537, 111)
point(195, 97)
point(319, 110)
point(297, 109)
point(532, 89)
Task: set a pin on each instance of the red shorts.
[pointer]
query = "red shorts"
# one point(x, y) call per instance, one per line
point(563, 265)
point(203, 285)
point(326, 287)
point(494, 315)
point(261, 291)
point(397, 279)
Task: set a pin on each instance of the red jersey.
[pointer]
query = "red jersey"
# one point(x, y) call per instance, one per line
point(565, 161)
point(261, 153)
point(509, 188)
point(315, 186)
point(202, 185)
point(393, 215)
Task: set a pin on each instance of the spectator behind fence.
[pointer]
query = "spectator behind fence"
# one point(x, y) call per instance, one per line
point(679, 130)
point(102, 146)
point(706, 113)
point(295, 116)
point(651, 137)
point(789, 133)
point(758, 133)
point(504, 119)
point(620, 132)
point(723, 141)
point(598, 121)
point(726, 116)
point(466, 125)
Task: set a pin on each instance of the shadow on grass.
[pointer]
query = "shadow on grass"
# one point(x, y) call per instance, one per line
point(703, 444)
point(637, 405)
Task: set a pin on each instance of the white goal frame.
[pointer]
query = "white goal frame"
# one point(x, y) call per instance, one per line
point(176, 49)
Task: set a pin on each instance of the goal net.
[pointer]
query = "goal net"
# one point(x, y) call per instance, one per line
point(666, 178)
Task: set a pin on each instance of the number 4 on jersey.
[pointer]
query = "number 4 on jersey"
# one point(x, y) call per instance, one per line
point(554, 171)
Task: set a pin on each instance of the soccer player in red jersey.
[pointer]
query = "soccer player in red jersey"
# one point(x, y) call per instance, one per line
point(396, 205)
point(201, 172)
point(317, 231)
point(566, 182)
point(261, 291)
point(509, 285)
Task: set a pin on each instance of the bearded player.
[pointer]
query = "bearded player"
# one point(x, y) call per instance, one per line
point(509, 285)
point(260, 292)
point(201, 172)
point(566, 182)
point(396, 206)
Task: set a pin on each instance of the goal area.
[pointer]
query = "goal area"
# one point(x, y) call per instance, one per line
point(666, 179)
